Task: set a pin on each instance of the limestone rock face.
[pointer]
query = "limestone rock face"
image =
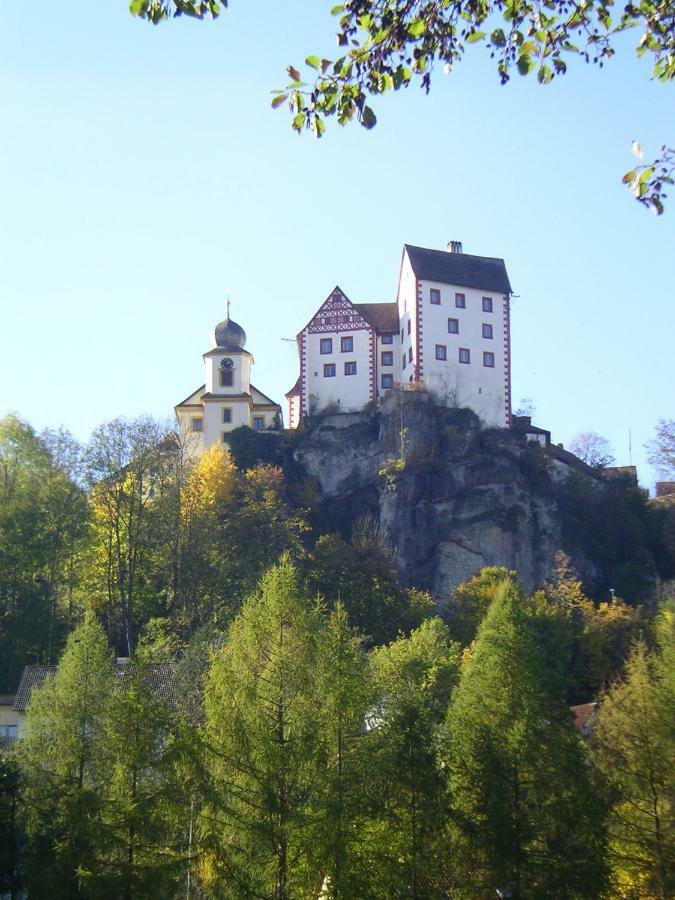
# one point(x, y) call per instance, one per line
point(450, 498)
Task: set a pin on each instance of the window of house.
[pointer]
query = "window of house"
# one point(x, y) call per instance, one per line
point(487, 330)
point(460, 301)
point(402, 334)
point(197, 424)
point(489, 360)
point(409, 354)
point(329, 370)
point(464, 355)
point(227, 414)
point(487, 304)
point(387, 358)
point(453, 326)
point(347, 344)
point(350, 368)
point(223, 437)
point(409, 325)
point(326, 345)
point(387, 338)
point(225, 376)
point(403, 361)
point(441, 351)
point(258, 423)
point(435, 296)
point(387, 382)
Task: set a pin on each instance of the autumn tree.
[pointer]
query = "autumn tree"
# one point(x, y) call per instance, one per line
point(526, 818)
point(470, 600)
point(633, 743)
point(661, 449)
point(593, 449)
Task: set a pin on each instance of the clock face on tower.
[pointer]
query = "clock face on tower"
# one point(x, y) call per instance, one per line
point(226, 363)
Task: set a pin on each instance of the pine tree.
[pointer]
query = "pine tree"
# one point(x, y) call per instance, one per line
point(403, 841)
point(261, 738)
point(526, 818)
point(63, 779)
point(634, 746)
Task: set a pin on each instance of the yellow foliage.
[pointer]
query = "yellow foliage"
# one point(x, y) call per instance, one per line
point(212, 482)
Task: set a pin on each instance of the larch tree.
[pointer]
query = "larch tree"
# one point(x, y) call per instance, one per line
point(404, 838)
point(261, 744)
point(526, 818)
point(63, 781)
point(633, 742)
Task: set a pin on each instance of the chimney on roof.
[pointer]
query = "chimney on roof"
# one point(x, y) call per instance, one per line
point(455, 247)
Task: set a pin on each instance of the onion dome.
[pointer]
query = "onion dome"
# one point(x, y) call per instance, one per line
point(229, 335)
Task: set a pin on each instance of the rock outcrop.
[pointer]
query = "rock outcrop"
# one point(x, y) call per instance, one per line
point(449, 496)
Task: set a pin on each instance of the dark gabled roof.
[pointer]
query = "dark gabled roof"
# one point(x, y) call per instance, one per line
point(382, 316)
point(270, 402)
point(31, 677)
point(295, 390)
point(161, 679)
point(485, 273)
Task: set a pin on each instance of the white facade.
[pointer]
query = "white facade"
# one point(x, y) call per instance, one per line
point(449, 329)
point(227, 399)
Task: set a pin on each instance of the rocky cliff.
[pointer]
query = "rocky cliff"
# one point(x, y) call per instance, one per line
point(449, 496)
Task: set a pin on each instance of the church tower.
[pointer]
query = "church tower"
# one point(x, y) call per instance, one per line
point(227, 399)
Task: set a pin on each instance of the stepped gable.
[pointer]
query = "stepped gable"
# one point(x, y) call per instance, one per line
point(485, 273)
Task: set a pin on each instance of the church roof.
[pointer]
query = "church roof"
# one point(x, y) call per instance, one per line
point(382, 316)
point(260, 399)
point(486, 273)
point(193, 398)
point(229, 335)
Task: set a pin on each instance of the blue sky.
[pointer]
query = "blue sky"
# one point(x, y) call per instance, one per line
point(143, 176)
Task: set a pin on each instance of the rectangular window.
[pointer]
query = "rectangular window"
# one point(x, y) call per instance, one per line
point(460, 301)
point(489, 360)
point(487, 304)
point(464, 355)
point(223, 437)
point(409, 354)
point(453, 326)
point(329, 370)
point(387, 382)
point(387, 358)
point(258, 423)
point(435, 296)
point(350, 368)
point(326, 345)
point(403, 362)
point(441, 351)
point(387, 338)
point(487, 330)
point(347, 344)
point(225, 377)
point(197, 425)
point(227, 415)
point(409, 325)
point(402, 334)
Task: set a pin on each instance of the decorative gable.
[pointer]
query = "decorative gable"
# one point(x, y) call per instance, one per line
point(337, 313)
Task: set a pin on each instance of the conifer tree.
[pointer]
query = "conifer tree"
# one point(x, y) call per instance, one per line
point(345, 695)
point(404, 839)
point(261, 738)
point(526, 819)
point(634, 746)
point(63, 779)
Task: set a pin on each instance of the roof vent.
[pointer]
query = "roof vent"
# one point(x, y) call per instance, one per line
point(455, 247)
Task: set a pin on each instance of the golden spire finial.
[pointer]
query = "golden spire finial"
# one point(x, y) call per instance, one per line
point(227, 306)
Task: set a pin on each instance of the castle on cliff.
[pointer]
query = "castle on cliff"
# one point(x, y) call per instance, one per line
point(448, 329)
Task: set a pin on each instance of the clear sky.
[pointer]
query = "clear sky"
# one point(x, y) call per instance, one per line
point(143, 176)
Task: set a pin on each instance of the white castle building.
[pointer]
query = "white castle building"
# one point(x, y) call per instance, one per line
point(227, 399)
point(448, 329)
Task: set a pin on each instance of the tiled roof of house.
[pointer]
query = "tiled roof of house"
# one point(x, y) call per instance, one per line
point(161, 679)
point(295, 390)
point(582, 715)
point(382, 316)
point(486, 273)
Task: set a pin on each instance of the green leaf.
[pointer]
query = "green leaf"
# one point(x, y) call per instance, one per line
point(336, 10)
point(524, 64)
point(313, 61)
point(368, 118)
point(498, 38)
point(136, 7)
point(298, 121)
point(417, 28)
point(279, 100)
point(544, 75)
point(475, 36)
point(293, 72)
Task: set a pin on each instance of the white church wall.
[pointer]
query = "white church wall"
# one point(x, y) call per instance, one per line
point(473, 383)
point(407, 355)
point(241, 373)
point(214, 427)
